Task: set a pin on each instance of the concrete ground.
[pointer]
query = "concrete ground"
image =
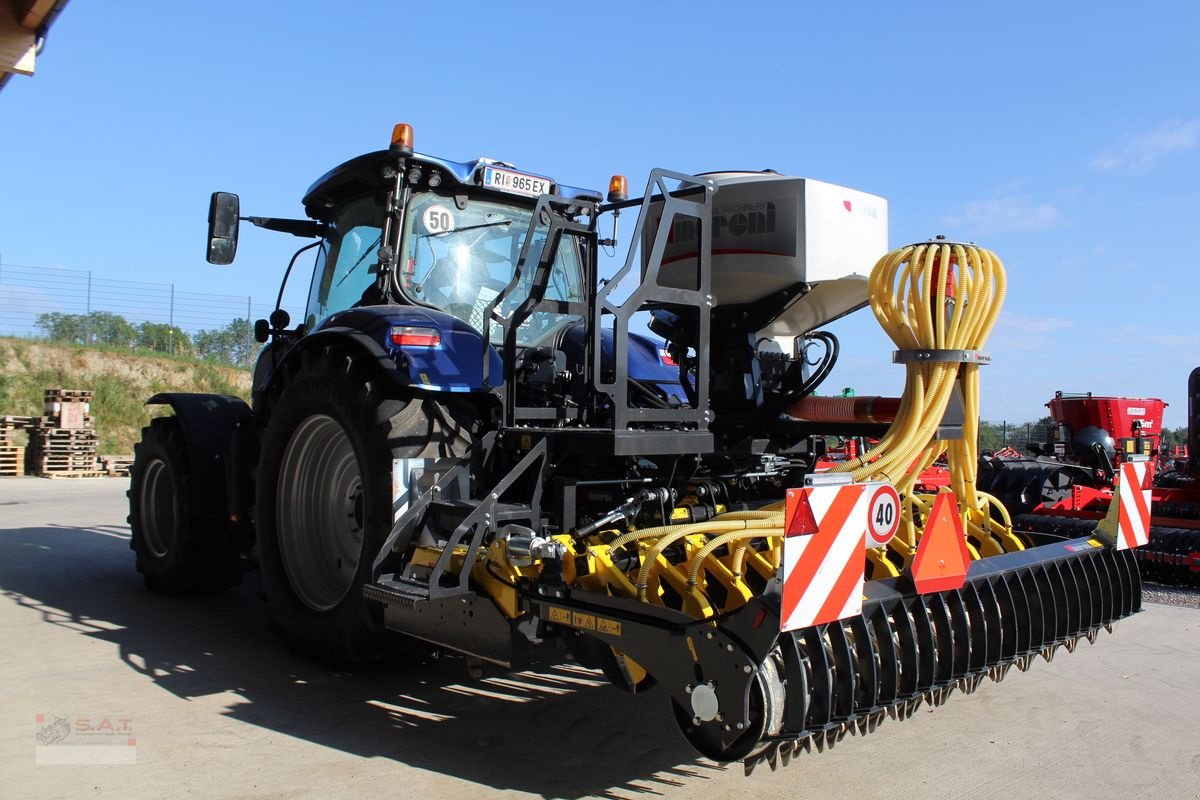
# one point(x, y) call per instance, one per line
point(221, 709)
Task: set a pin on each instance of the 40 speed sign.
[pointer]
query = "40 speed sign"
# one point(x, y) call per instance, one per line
point(883, 515)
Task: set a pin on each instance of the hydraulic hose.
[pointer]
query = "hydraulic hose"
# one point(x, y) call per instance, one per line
point(937, 296)
point(719, 523)
point(725, 538)
point(771, 522)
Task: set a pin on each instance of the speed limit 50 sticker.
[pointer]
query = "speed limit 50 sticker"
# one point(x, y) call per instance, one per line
point(883, 515)
point(438, 219)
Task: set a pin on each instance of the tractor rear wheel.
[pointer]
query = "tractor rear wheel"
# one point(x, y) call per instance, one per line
point(178, 551)
point(324, 499)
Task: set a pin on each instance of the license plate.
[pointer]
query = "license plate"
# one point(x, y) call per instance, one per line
point(515, 182)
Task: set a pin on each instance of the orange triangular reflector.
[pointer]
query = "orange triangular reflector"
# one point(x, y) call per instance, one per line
point(799, 514)
point(942, 558)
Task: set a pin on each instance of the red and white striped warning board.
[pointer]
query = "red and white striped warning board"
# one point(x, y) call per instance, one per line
point(823, 562)
point(1133, 506)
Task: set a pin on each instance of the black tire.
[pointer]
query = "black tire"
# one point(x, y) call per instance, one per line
point(178, 551)
point(334, 428)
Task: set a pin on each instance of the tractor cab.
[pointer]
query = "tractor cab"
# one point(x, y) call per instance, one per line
point(453, 244)
point(467, 276)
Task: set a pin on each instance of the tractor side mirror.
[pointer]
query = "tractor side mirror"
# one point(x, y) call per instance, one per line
point(223, 211)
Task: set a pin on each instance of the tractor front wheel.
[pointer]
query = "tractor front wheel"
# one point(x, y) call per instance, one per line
point(324, 500)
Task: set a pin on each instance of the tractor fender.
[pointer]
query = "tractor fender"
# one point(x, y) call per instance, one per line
point(208, 422)
point(362, 344)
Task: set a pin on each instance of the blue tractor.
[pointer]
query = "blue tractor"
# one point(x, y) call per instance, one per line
point(466, 444)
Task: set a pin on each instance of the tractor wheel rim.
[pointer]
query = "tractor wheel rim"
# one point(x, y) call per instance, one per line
point(157, 508)
point(319, 512)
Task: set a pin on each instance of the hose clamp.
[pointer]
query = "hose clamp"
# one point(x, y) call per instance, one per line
point(940, 357)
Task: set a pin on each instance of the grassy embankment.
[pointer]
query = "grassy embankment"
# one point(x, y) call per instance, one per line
point(121, 381)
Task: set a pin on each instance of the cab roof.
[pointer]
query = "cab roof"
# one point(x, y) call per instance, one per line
point(365, 173)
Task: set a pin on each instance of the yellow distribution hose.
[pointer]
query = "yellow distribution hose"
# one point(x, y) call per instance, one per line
point(932, 296)
point(720, 523)
point(937, 296)
point(725, 538)
point(770, 522)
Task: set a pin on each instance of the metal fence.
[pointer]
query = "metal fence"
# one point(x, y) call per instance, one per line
point(26, 293)
point(995, 434)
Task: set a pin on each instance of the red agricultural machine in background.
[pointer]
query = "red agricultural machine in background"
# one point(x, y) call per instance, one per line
point(1068, 486)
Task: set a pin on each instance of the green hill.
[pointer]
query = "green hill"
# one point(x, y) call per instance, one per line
point(121, 381)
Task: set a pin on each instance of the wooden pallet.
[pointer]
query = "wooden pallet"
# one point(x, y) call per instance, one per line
point(69, 395)
point(64, 445)
point(64, 462)
point(52, 423)
point(59, 436)
point(116, 466)
point(68, 407)
point(41, 450)
point(54, 442)
point(82, 473)
point(12, 462)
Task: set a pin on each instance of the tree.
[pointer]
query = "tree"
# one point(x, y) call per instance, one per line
point(104, 327)
point(991, 436)
point(60, 327)
point(1173, 437)
point(96, 327)
point(163, 338)
point(233, 344)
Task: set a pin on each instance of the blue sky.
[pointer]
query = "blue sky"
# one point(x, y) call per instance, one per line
point(1064, 136)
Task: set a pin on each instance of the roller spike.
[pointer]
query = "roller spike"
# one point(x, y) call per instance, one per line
point(864, 725)
point(818, 741)
point(806, 743)
point(843, 729)
point(979, 680)
point(1024, 663)
point(930, 698)
point(1048, 653)
point(1092, 634)
point(891, 710)
point(877, 719)
point(785, 753)
point(1071, 643)
point(772, 756)
point(749, 764)
point(831, 738)
point(1108, 627)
